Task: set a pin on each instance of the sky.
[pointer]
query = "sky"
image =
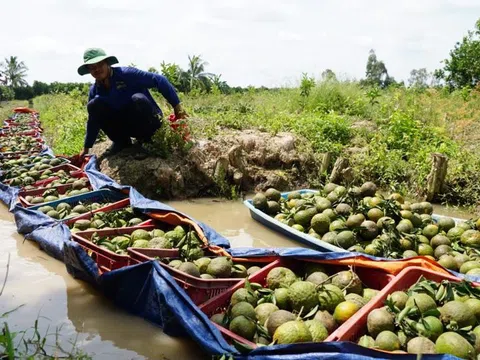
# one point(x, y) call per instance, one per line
point(248, 42)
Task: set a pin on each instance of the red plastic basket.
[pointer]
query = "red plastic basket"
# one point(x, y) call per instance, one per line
point(69, 168)
point(198, 289)
point(106, 260)
point(372, 278)
point(356, 326)
point(115, 206)
point(7, 131)
point(32, 123)
point(62, 189)
point(77, 174)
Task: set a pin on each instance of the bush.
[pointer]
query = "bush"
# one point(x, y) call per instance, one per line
point(6, 93)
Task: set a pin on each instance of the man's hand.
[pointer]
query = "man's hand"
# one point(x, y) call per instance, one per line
point(180, 113)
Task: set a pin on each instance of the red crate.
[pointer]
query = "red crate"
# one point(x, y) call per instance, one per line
point(38, 140)
point(198, 289)
point(371, 278)
point(62, 189)
point(77, 174)
point(7, 131)
point(356, 326)
point(32, 152)
point(16, 155)
point(115, 206)
point(74, 171)
point(106, 260)
point(32, 123)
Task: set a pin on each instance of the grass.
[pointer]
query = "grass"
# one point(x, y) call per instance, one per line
point(6, 107)
point(63, 119)
point(30, 343)
point(388, 135)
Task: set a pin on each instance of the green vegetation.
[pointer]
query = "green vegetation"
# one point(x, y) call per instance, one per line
point(31, 344)
point(389, 140)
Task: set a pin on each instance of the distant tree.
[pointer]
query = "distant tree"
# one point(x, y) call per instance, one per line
point(6, 93)
point(132, 65)
point(376, 72)
point(174, 73)
point(152, 70)
point(14, 72)
point(419, 78)
point(328, 75)
point(40, 88)
point(219, 84)
point(463, 67)
point(197, 76)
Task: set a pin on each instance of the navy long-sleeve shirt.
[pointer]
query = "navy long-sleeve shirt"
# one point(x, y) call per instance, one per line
point(124, 82)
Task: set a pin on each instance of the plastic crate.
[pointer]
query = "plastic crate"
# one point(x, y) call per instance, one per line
point(100, 196)
point(356, 326)
point(62, 189)
point(39, 145)
point(106, 260)
point(72, 171)
point(371, 278)
point(29, 166)
point(115, 206)
point(36, 150)
point(69, 168)
point(13, 122)
point(15, 155)
point(198, 289)
point(9, 131)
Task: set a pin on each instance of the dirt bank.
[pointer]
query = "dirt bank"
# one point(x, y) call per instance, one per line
point(233, 161)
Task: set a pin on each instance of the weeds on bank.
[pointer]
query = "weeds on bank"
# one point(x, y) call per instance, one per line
point(388, 134)
point(30, 343)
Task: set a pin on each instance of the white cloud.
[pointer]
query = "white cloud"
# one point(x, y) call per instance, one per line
point(267, 42)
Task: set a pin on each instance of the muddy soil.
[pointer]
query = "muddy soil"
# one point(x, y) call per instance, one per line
point(239, 161)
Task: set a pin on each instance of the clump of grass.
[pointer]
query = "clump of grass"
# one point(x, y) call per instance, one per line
point(6, 108)
point(30, 343)
point(64, 118)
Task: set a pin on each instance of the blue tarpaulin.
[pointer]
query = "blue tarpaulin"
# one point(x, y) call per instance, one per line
point(9, 195)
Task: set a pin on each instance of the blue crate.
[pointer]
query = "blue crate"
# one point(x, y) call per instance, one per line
point(102, 195)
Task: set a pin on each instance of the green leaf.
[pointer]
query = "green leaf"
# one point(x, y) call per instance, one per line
point(242, 348)
point(432, 312)
point(312, 312)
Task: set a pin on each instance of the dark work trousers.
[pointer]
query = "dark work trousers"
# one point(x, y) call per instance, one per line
point(137, 119)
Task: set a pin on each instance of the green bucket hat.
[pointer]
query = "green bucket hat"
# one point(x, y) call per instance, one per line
point(93, 56)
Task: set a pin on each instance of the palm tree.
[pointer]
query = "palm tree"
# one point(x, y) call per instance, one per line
point(196, 71)
point(14, 72)
point(219, 83)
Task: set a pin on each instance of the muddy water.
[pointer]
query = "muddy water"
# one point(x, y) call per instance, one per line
point(46, 291)
point(232, 220)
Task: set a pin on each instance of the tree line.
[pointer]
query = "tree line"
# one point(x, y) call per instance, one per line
point(461, 69)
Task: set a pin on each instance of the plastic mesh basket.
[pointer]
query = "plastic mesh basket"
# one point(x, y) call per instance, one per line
point(106, 260)
point(372, 278)
point(62, 189)
point(200, 290)
point(356, 326)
